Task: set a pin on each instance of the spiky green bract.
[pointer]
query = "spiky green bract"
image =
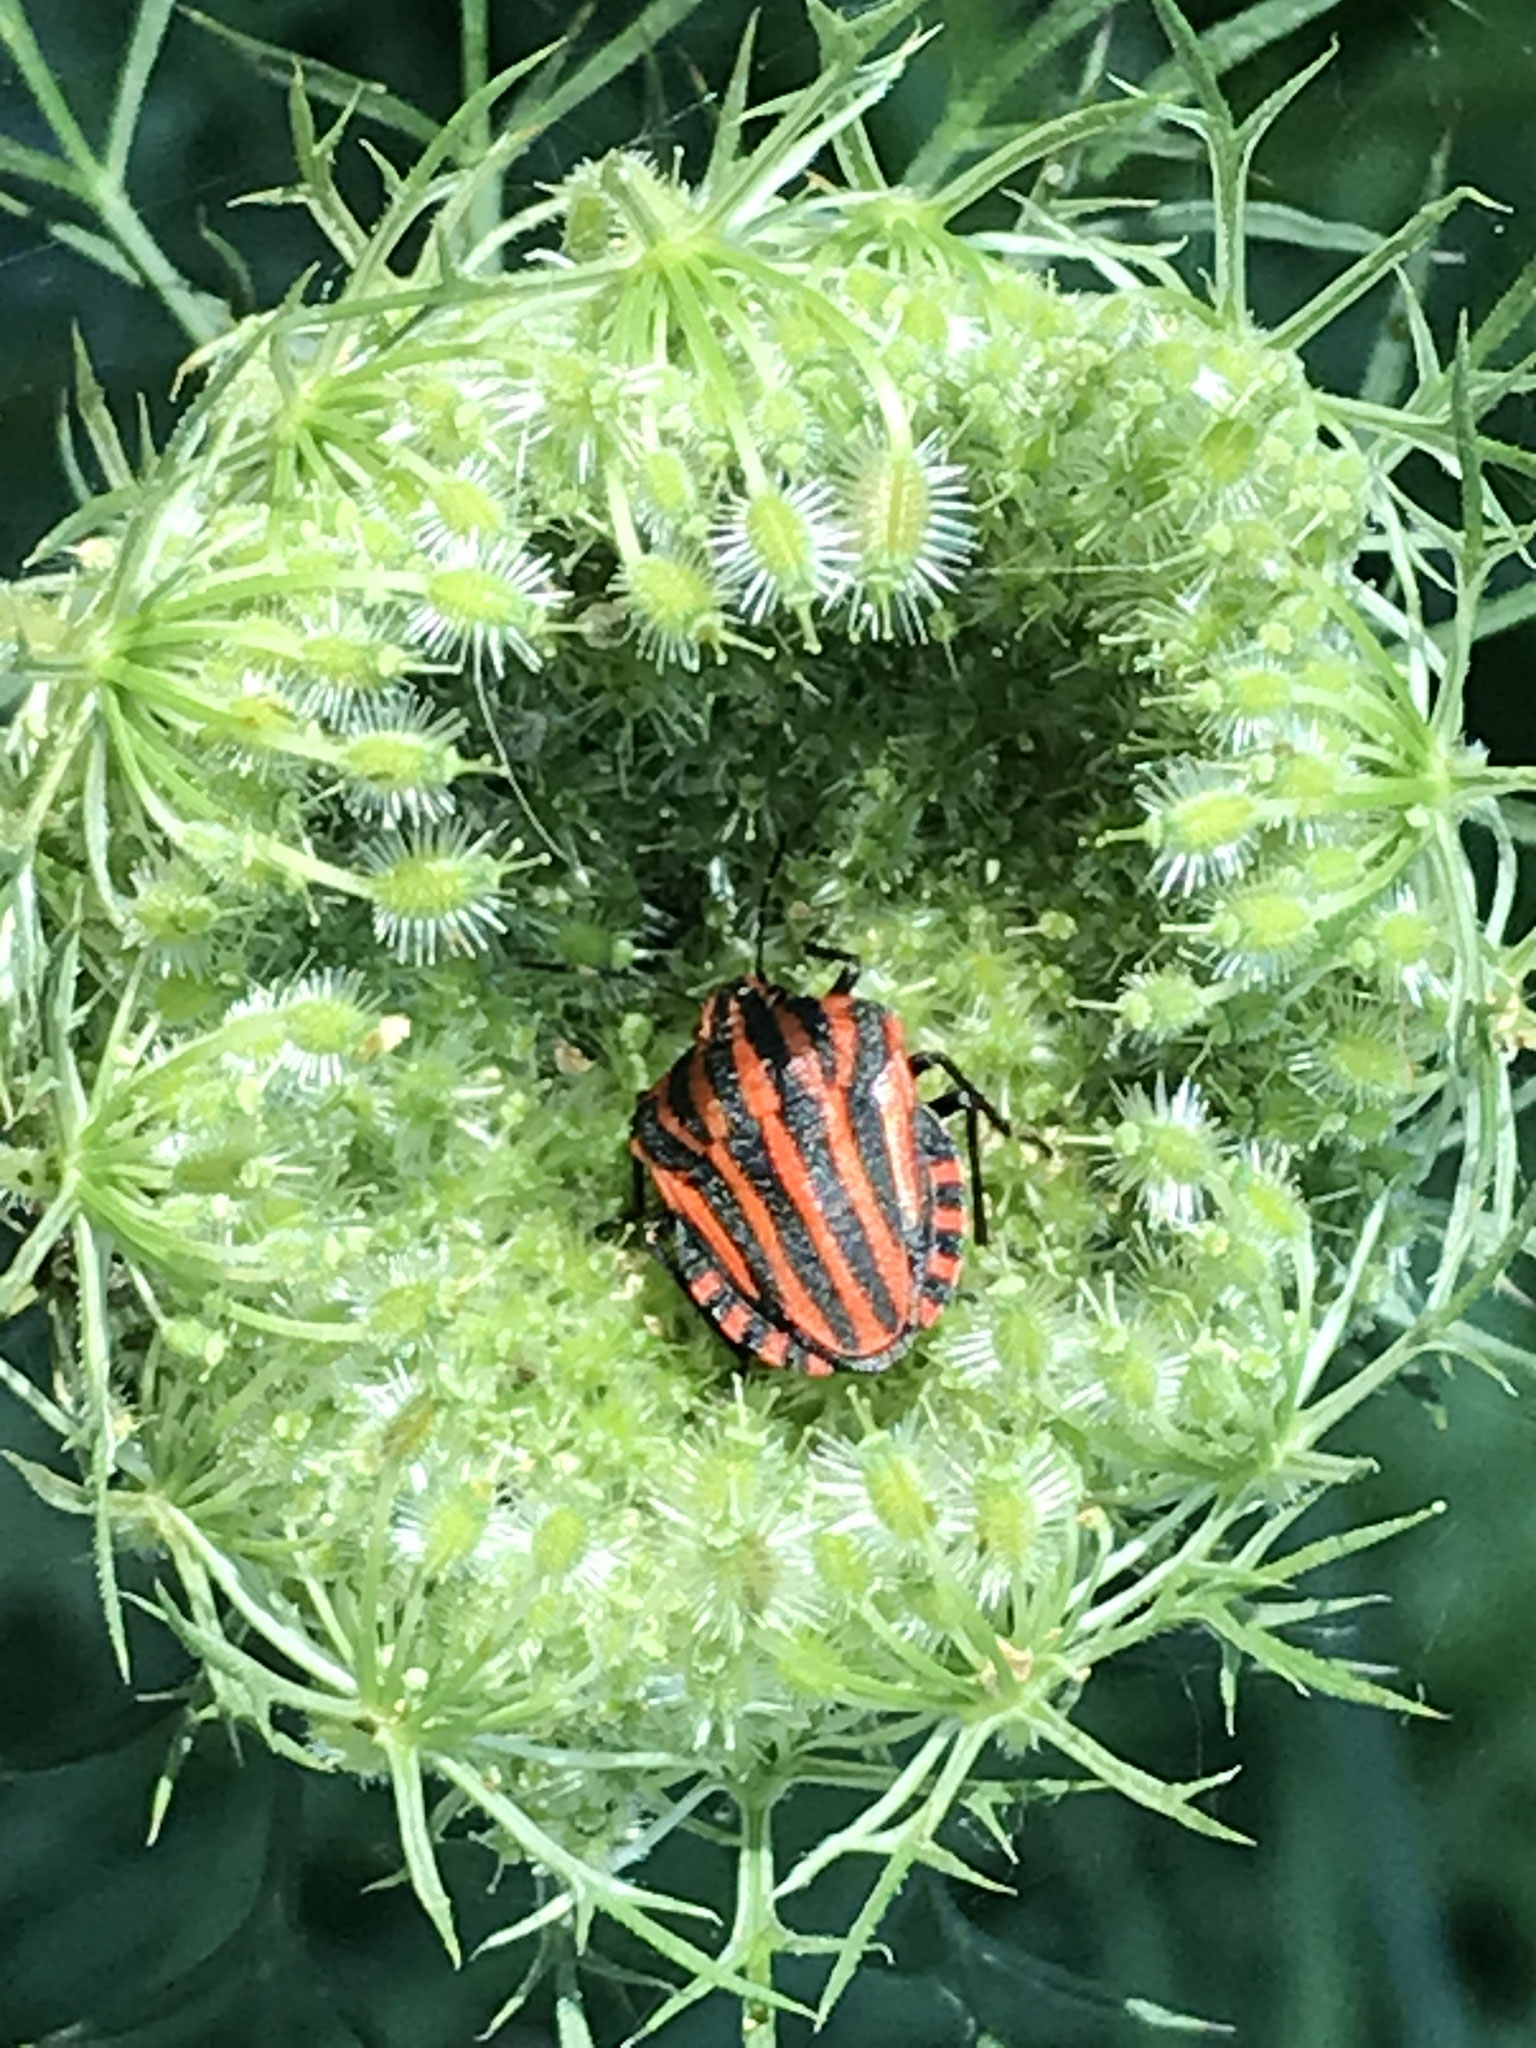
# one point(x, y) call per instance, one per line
point(1029, 623)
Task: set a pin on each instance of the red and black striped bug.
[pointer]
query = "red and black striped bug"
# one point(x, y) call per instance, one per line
point(814, 1205)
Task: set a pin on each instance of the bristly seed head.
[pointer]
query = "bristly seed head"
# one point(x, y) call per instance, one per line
point(435, 894)
point(401, 760)
point(911, 533)
point(481, 603)
point(784, 548)
point(1203, 823)
point(1166, 1151)
point(676, 605)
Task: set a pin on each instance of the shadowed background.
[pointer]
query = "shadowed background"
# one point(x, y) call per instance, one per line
point(1391, 1902)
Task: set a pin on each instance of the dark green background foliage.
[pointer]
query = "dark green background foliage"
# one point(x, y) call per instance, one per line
point(1392, 1898)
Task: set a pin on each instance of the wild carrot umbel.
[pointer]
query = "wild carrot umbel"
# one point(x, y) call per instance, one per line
point(488, 616)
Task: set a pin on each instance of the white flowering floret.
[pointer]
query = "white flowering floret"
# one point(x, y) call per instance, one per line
point(1357, 1051)
point(451, 417)
point(174, 914)
point(1265, 1202)
point(1408, 950)
point(1131, 1368)
point(893, 1492)
point(338, 657)
point(464, 506)
point(1024, 1524)
point(1265, 926)
point(1248, 704)
point(1305, 773)
point(1163, 1003)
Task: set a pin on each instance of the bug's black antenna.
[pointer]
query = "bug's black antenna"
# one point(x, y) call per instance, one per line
point(763, 898)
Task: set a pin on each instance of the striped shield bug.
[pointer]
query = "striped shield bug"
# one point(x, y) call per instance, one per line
point(813, 1204)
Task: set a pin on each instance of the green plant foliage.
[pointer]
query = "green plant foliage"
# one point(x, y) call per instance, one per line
point(505, 609)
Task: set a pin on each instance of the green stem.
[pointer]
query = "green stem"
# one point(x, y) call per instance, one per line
point(200, 316)
point(475, 68)
point(16, 34)
point(93, 1259)
point(756, 1934)
point(58, 767)
point(1325, 1415)
point(40, 1241)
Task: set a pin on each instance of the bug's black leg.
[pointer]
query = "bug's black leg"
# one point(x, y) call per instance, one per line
point(967, 1096)
point(946, 1105)
point(965, 1088)
point(852, 965)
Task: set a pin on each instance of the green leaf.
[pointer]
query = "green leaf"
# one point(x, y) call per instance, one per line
point(1469, 454)
point(1295, 1564)
point(543, 1916)
point(1163, 2021)
point(1417, 430)
point(96, 821)
point(1384, 372)
point(824, 112)
point(1479, 1347)
point(907, 1846)
point(845, 40)
point(96, 418)
point(23, 949)
point(537, 109)
point(902, 1789)
point(416, 1836)
point(332, 87)
point(600, 1891)
point(67, 1495)
point(243, 1687)
point(16, 34)
point(571, 2029)
point(313, 155)
point(1192, 62)
point(1508, 315)
point(960, 129)
point(1031, 145)
point(1158, 1794)
point(1308, 1672)
point(1233, 42)
point(97, 249)
point(419, 190)
point(727, 144)
point(244, 295)
point(194, 1553)
point(138, 62)
point(1360, 277)
point(39, 168)
point(1270, 222)
point(92, 1260)
point(1214, 124)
